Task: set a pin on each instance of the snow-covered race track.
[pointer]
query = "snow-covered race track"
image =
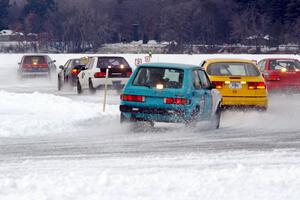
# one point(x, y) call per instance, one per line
point(58, 145)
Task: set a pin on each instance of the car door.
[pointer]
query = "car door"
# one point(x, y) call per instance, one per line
point(200, 94)
point(205, 84)
point(86, 74)
point(62, 72)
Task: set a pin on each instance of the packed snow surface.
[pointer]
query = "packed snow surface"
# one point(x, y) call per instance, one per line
point(232, 175)
point(58, 145)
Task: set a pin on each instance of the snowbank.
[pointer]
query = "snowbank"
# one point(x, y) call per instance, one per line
point(37, 114)
point(11, 60)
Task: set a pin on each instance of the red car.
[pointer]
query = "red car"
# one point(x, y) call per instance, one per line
point(281, 74)
point(36, 65)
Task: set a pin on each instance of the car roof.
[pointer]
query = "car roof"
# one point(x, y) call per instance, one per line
point(108, 56)
point(169, 65)
point(279, 59)
point(35, 55)
point(214, 60)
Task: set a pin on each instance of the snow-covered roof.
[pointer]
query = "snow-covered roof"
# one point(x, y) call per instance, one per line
point(265, 37)
point(6, 32)
point(10, 32)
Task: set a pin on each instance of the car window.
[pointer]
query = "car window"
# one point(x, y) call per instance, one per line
point(232, 69)
point(196, 80)
point(205, 83)
point(153, 76)
point(67, 63)
point(262, 65)
point(114, 62)
point(75, 63)
point(90, 63)
point(35, 60)
point(284, 64)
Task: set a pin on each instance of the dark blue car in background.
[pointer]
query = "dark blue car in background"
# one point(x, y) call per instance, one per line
point(168, 92)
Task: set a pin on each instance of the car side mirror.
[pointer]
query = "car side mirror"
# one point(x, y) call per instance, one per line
point(212, 86)
point(52, 61)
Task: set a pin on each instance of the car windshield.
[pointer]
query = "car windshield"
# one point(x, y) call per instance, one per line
point(284, 64)
point(76, 62)
point(114, 62)
point(232, 69)
point(159, 77)
point(34, 60)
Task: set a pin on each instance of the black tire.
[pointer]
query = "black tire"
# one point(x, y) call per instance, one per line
point(59, 83)
point(79, 88)
point(262, 109)
point(137, 126)
point(216, 119)
point(20, 76)
point(124, 119)
point(91, 87)
point(193, 121)
point(49, 75)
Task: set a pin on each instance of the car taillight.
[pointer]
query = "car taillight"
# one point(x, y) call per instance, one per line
point(42, 65)
point(179, 101)
point(256, 85)
point(218, 84)
point(75, 71)
point(135, 98)
point(26, 65)
point(273, 78)
point(128, 74)
point(99, 74)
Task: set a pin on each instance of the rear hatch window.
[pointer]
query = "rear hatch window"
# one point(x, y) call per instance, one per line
point(285, 65)
point(160, 78)
point(232, 69)
point(35, 60)
point(113, 62)
point(118, 66)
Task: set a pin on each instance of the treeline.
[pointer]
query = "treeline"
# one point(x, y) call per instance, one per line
point(78, 25)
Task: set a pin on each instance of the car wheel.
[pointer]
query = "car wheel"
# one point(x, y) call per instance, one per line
point(91, 87)
point(136, 126)
point(124, 119)
point(262, 109)
point(20, 76)
point(141, 126)
point(59, 83)
point(79, 88)
point(216, 119)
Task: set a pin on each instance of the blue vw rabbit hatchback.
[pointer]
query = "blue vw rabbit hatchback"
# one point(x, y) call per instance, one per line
point(168, 92)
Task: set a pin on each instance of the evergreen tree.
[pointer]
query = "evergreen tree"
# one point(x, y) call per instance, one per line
point(4, 6)
point(35, 12)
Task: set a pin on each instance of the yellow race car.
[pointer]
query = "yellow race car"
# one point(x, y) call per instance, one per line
point(239, 81)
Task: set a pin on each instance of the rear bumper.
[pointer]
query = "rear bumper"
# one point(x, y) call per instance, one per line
point(154, 114)
point(34, 73)
point(111, 82)
point(260, 101)
point(277, 86)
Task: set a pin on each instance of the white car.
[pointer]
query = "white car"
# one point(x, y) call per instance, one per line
point(93, 77)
